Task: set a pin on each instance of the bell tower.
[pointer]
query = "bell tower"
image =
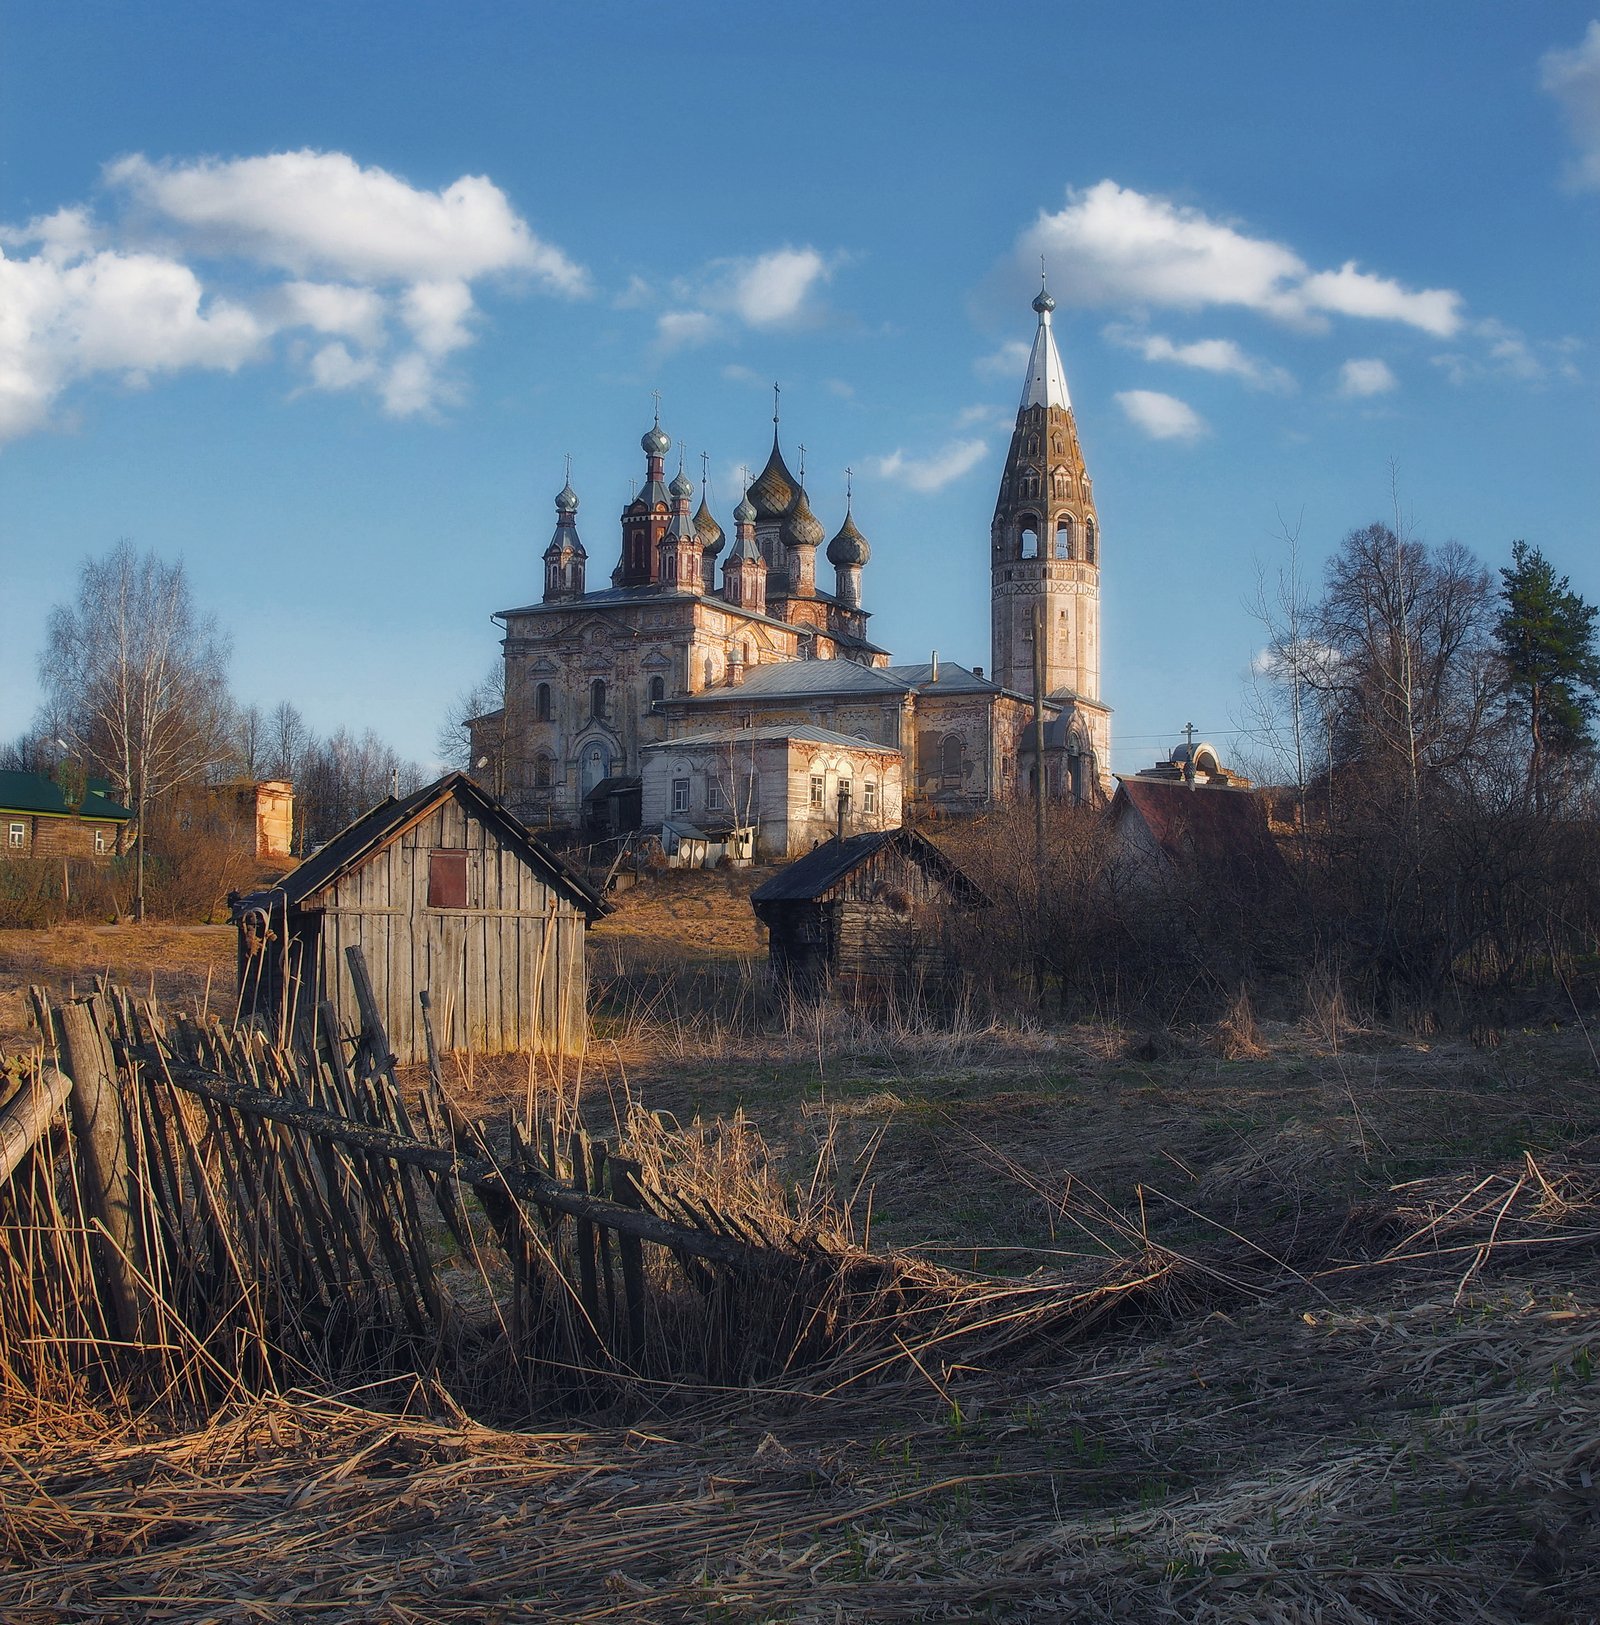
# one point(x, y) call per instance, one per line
point(1044, 556)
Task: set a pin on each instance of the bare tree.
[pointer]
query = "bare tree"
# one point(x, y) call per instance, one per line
point(478, 724)
point(138, 680)
point(287, 741)
point(250, 740)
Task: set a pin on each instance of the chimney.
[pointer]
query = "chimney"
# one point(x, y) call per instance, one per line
point(933, 668)
point(844, 807)
point(977, 671)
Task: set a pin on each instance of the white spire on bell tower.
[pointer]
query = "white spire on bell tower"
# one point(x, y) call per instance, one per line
point(1047, 379)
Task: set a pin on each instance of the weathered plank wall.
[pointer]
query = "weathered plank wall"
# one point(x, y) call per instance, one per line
point(505, 973)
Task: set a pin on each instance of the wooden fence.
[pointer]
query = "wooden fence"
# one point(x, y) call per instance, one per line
point(228, 1211)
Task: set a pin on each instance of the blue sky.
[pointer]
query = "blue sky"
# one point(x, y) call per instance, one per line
point(319, 297)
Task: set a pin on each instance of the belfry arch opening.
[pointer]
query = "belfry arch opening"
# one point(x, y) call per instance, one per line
point(1064, 537)
point(1028, 538)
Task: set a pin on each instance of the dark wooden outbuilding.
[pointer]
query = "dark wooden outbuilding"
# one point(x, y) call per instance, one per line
point(444, 891)
point(872, 910)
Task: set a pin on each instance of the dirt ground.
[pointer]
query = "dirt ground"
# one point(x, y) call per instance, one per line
point(186, 967)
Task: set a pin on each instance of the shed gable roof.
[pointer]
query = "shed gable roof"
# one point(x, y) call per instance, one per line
point(813, 878)
point(379, 828)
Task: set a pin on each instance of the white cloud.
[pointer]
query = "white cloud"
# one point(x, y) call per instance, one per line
point(773, 289)
point(1006, 362)
point(332, 307)
point(334, 368)
point(130, 315)
point(677, 329)
point(838, 387)
point(1363, 376)
point(1208, 355)
point(1573, 78)
point(1114, 246)
point(737, 373)
point(438, 313)
point(192, 275)
point(1508, 353)
point(1162, 417)
point(934, 472)
point(1350, 291)
point(321, 211)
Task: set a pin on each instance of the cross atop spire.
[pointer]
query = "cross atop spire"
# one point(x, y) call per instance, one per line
point(802, 450)
point(849, 486)
point(705, 463)
point(655, 395)
point(775, 393)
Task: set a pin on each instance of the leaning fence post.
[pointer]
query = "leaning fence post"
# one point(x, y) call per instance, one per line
point(27, 1116)
point(101, 1128)
point(625, 1192)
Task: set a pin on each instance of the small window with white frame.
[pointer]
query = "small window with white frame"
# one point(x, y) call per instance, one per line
point(869, 797)
point(845, 789)
point(818, 788)
point(102, 839)
point(714, 800)
point(680, 795)
point(17, 834)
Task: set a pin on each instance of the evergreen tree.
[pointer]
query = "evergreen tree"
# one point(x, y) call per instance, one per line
point(1547, 638)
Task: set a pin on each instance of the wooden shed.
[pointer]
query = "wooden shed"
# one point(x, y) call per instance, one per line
point(871, 910)
point(444, 891)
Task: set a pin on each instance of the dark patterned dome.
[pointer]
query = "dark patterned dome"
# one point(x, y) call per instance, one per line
point(1044, 302)
point(682, 485)
point(567, 499)
point(773, 489)
point(744, 514)
point(849, 546)
point(708, 530)
point(801, 527)
point(656, 441)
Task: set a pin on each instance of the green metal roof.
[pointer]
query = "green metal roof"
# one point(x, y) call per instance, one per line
point(39, 794)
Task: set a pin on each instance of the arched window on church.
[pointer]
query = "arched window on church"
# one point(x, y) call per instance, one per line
point(658, 690)
point(541, 702)
point(711, 671)
point(1033, 445)
point(543, 772)
point(1064, 537)
point(1028, 542)
point(950, 762)
point(1089, 541)
point(597, 699)
point(749, 654)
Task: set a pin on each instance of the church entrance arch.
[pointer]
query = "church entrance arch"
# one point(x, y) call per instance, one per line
point(596, 766)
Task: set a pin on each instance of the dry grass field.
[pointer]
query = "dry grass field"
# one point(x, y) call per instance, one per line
point(1354, 1383)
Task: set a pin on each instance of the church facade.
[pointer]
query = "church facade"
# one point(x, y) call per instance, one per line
point(696, 637)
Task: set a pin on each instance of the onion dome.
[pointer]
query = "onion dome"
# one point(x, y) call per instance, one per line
point(567, 499)
point(1043, 303)
point(849, 546)
point(745, 513)
point(773, 489)
point(708, 530)
point(656, 441)
point(801, 527)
